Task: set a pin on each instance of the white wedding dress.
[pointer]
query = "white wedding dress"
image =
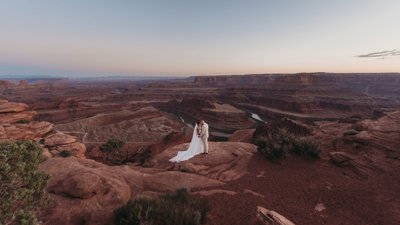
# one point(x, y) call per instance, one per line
point(195, 148)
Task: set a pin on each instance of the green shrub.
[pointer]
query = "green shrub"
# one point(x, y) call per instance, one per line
point(23, 218)
point(305, 148)
point(284, 142)
point(262, 146)
point(145, 158)
point(24, 121)
point(276, 153)
point(270, 151)
point(350, 133)
point(22, 185)
point(65, 153)
point(42, 142)
point(111, 145)
point(184, 169)
point(356, 145)
point(138, 211)
point(179, 208)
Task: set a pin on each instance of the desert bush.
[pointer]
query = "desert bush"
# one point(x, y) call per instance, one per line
point(42, 142)
point(356, 145)
point(111, 145)
point(350, 133)
point(65, 153)
point(269, 150)
point(24, 121)
point(139, 211)
point(284, 142)
point(305, 148)
point(22, 185)
point(184, 169)
point(179, 208)
point(144, 158)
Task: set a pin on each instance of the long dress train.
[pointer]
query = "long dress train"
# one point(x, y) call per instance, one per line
point(195, 148)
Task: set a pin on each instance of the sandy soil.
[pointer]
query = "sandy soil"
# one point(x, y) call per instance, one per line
point(296, 186)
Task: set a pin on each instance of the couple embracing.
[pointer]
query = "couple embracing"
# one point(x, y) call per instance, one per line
point(198, 145)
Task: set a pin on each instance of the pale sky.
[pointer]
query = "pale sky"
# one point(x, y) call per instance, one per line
point(195, 37)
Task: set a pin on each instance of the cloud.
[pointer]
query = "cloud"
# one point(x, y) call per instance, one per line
point(381, 55)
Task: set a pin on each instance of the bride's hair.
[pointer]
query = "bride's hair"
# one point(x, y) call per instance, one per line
point(198, 122)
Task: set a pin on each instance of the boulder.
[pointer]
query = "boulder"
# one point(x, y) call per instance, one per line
point(82, 186)
point(225, 161)
point(76, 148)
point(59, 138)
point(269, 217)
point(242, 136)
point(87, 192)
point(84, 191)
point(341, 158)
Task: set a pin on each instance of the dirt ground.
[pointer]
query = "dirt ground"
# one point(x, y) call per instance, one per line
point(294, 188)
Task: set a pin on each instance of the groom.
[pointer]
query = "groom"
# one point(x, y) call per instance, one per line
point(204, 135)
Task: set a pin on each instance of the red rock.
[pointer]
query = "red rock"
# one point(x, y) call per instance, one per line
point(172, 139)
point(23, 83)
point(77, 149)
point(219, 116)
point(269, 217)
point(11, 107)
point(6, 83)
point(144, 125)
point(197, 103)
point(83, 190)
point(242, 136)
point(171, 180)
point(341, 158)
point(59, 138)
point(15, 117)
point(25, 131)
point(226, 161)
point(83, 186)
point(129, 153)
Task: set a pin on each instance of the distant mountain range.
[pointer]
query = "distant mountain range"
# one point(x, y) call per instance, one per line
point(22, 77)
point(33, 78)
point(128, 78)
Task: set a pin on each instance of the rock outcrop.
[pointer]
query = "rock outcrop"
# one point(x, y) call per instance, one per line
point(347, 115)
point(86, 191)
point(16, 124)
point(225, 162)
point(11, 107)
point(242, 136)
point(367, 147)
point(146, 124)
point(224, 117)
point(269, 217)
point(83, 191)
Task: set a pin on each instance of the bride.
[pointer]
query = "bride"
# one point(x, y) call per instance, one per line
point(196, 147)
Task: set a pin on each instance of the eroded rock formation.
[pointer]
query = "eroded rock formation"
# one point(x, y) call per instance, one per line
point(16, 124)
point(88, 191)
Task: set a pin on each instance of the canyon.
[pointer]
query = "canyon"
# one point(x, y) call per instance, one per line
point(354, 119)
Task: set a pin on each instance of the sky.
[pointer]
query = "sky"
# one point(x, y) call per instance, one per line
point(74, 38)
